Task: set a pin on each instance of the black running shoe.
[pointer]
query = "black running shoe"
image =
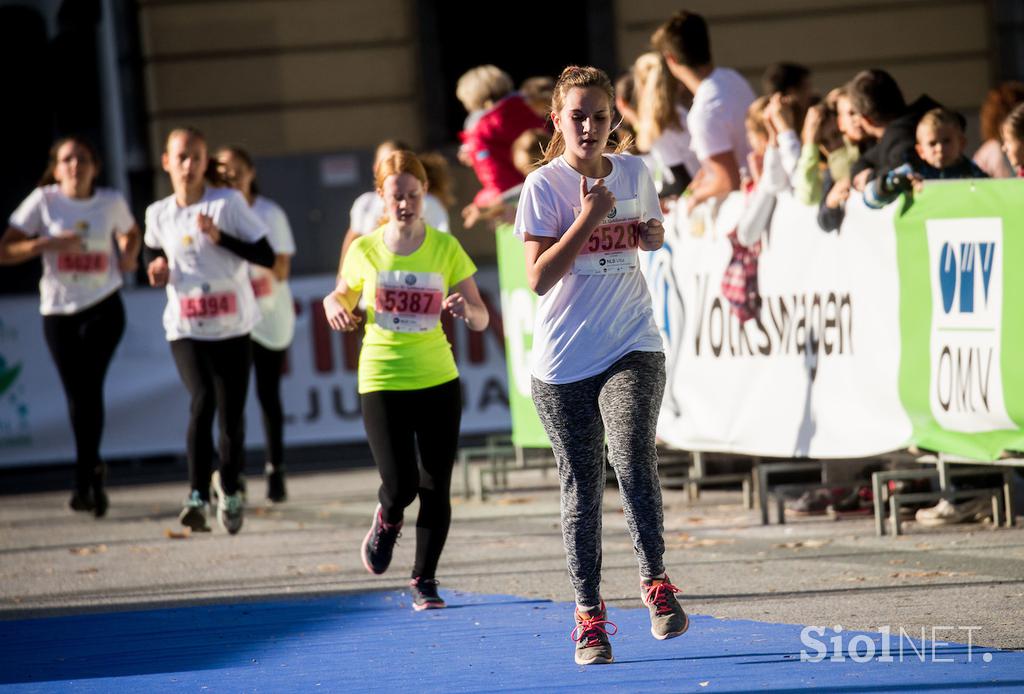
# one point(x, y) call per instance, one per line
point(379, 543)
point(276, 491)
point(193, 513)
point(82, 501)
point(424, 594)
point(99, 494)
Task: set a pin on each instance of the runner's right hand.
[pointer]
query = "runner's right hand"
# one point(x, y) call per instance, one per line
point(597, 201)
point(339, 317)
point(158, 272)
point(65, 242)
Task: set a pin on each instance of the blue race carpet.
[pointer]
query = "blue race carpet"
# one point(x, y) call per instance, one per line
point(375, 642)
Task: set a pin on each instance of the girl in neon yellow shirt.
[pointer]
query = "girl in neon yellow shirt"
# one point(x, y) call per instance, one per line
point(408, 383)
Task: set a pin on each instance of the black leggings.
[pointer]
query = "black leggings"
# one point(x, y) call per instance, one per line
point(398, 424)
point(216, 373)
point(82, 345)
point(268, 364)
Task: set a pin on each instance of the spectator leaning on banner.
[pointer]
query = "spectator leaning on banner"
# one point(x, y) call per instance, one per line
point(836, 178)
point(940, 151)
point(884, 115)
point(720, 100)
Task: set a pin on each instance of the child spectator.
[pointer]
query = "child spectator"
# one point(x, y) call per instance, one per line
point(720, 100)
point(791, 80)
point(836, 177)
point(998, 104)
point(783, 152)
point(757, 138)
point(1013, 139)
point(940, 150)
point(497, 116)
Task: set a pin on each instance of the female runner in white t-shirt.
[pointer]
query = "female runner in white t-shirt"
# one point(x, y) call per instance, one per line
point(272, 335)
point(599, 368)
point(199, 243)
point(87, 238)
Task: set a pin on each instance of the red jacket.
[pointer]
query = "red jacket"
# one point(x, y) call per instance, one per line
point(489, 143)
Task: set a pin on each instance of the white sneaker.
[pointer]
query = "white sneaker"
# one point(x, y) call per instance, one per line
point(230, 507)
point(947, 513)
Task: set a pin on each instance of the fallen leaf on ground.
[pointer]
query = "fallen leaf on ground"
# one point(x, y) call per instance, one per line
point(86, 551)
point(513, 500)
point(177, 534)
point(88, 570)
point(923, 574)
point(701, 542)
point(803, 544)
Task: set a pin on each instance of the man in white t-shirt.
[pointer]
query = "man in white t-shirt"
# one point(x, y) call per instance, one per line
point(721, 97)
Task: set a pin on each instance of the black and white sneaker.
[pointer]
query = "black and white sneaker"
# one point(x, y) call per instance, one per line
point(193, 513)
point(379, 543)
point(230, 507)
point(424, 594)
point(276, 492)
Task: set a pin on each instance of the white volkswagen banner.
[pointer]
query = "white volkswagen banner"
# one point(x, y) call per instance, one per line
point(817, 374)
point(147, 406)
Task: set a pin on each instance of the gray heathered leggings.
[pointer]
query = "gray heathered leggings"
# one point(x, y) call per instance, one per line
point(622, 402)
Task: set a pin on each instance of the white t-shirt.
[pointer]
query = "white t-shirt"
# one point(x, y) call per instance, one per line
point(673, 146)
point(72, 282)
point(717, 114)
point(209, 296)
point(277, 328)
point(600, 310)
point(368, 211)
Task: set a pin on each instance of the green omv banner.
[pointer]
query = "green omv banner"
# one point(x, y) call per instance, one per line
point(518, 308)
point(960, 248)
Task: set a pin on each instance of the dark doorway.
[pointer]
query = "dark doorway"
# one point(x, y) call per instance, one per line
point(524, 39)
point(23, 43)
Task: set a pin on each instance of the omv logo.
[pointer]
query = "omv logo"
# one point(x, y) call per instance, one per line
point(961, 265)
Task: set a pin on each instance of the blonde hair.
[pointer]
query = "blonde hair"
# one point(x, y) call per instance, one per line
point(400, 162)
point(574, 77)
point(656, 97)
point(482, 84)
point(754, 121)
point(938, 117)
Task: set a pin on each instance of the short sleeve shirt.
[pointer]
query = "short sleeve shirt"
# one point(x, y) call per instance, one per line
point(717, 115)
point(404, 347)
point(277, 328)
point(209, 296)
point(75, 280)
point(590, 318)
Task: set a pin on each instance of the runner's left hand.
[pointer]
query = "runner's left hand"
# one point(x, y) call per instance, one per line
point(455, 304)
point(652, 235)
